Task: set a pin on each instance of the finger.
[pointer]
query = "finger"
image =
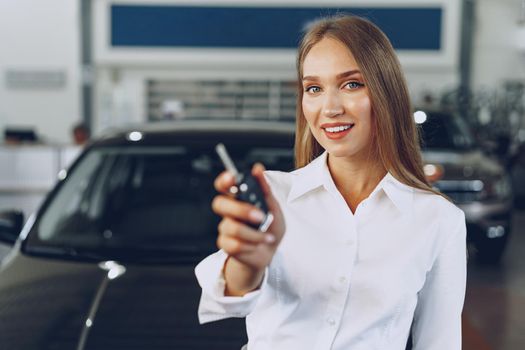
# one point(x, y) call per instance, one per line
point(231, 207)
point(237, 230)
point(234, 246)
point(224, 182)
point(258, 171)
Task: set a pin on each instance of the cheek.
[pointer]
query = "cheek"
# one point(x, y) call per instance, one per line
point(364, 107)
point(361, 108)
point(309, 108)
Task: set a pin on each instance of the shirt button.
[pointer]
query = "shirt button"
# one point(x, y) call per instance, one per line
point(330, 321)
point(349, 242)
point(342, 279)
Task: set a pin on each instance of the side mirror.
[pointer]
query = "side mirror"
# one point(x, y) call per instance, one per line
point(11, 223)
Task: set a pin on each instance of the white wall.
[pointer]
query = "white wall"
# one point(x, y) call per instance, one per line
point(496, 57)
point(38, 35)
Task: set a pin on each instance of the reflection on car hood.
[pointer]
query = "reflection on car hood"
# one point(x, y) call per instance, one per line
point(464, 165)
point(44, 304)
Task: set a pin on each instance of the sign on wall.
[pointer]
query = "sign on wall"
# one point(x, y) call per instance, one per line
point(409, 28)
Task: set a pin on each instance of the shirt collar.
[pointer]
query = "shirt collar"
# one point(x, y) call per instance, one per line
point(316, 174)
point(399, 193)
point(309, 177)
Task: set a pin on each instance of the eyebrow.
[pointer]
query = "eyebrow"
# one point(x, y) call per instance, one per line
point(338, 76)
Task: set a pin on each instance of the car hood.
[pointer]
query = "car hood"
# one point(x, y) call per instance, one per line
point(464, 165)
point(45, 304)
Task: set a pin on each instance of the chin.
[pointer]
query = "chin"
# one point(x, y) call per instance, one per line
point(344, 151)
point(337, 152)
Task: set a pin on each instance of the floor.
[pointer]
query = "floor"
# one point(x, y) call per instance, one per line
point(494, 312)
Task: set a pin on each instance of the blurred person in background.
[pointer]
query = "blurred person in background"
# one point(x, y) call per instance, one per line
point(362, 252)
point(81, 134)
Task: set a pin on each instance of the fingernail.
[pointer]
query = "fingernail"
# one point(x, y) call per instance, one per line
point(256, 215)
point(269, 238)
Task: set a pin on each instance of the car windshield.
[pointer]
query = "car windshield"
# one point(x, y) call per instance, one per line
point(445, 131)
point(141, 203)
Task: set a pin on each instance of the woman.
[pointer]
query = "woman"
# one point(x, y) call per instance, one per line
point(361, 250)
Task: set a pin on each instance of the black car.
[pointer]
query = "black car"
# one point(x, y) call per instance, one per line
point(107, 261)
point(472, 178)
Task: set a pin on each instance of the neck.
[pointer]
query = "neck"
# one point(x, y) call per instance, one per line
point(355, 179)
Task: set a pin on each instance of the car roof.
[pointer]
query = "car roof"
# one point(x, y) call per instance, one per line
point(166, 132)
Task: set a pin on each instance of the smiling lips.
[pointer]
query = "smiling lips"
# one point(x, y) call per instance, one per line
point(336, 131)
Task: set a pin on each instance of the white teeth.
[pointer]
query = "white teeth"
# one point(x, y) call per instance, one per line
point(338, 128)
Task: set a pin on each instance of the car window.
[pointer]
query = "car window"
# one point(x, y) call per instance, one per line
point(147, 199)
point(445, 131)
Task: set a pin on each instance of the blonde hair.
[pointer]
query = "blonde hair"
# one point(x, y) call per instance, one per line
point(393, 127)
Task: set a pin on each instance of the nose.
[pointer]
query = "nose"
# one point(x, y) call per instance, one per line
point(332, 106)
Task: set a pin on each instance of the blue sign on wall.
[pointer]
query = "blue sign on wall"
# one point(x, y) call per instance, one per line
point(263, 27)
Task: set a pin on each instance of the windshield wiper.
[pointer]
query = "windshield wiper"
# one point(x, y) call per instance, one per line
point(67, 252)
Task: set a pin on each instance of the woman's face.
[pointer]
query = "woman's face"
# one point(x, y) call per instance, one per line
point(335, 100)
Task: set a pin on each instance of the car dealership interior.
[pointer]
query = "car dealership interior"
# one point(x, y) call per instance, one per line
point(109, 114)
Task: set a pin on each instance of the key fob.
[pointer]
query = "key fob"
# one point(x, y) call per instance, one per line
point(246, 189)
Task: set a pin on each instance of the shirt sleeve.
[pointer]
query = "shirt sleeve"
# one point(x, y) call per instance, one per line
point(214, 305)
point(437, 319)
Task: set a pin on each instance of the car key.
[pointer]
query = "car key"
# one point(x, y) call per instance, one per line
point(246, 189)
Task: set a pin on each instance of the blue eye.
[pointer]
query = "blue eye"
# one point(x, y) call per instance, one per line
point(354, 85)
point(312, 89)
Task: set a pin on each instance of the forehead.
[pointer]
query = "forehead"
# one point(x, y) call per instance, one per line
point(328, 56)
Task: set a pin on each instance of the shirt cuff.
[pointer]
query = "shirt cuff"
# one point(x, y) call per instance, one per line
point(214, 305)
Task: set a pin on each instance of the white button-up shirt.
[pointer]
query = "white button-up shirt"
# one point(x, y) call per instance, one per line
point(341, 280)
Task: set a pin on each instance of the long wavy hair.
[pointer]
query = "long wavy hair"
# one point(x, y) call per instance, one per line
point(396, 138)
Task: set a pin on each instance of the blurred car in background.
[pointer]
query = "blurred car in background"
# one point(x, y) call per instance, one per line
point(107, 261)
point(474, 180)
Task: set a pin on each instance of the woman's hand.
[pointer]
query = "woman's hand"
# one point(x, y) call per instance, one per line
point(250, 251)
